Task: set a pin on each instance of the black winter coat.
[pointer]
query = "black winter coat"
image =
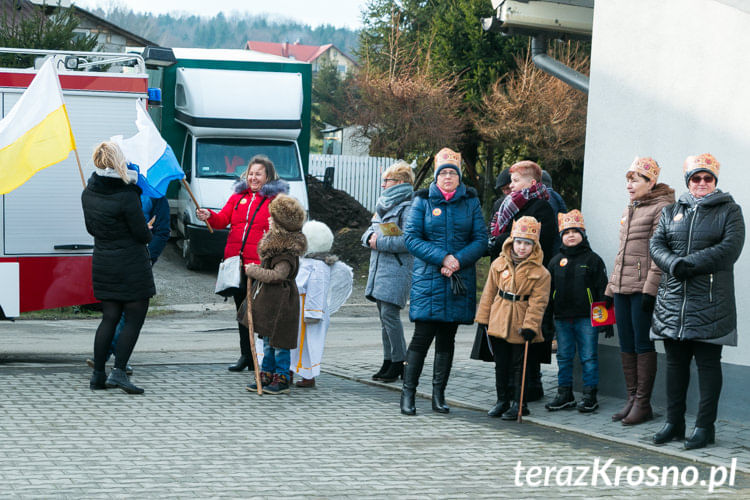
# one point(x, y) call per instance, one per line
point(579, 278)
point(121, 268)
point(542, 211)
point(708, 235)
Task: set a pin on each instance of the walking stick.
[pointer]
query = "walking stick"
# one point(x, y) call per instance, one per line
point(252, 335)
point(523, 382)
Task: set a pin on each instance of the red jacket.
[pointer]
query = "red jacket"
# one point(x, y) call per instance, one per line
point(238, 212)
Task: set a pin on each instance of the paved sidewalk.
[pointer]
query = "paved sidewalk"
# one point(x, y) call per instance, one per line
point(472, 385)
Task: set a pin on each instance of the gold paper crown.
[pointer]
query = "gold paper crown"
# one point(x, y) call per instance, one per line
point(647, 167)
point(447, 156)
point(706, 162)
point(571, 220)
point(526, 227)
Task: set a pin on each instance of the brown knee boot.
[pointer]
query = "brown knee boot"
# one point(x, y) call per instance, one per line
point(630, 370)
point(641, 410)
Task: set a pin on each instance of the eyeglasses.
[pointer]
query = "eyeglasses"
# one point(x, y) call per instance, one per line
point(708, 179)
point(448, 172)
point(387, 180)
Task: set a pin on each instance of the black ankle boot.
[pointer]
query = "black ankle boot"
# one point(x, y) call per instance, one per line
point(393, 373)
point(412, 370)
point(589, 402)
point(241, 364)
point(379, 373)
point(512, 412)
point(563, 400)
point(701, 437)
point(441, 370)
point(500, 407)
point(97, 381)
point(669, 432)
point(118, 378)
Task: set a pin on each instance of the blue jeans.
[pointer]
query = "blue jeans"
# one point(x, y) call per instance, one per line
point(633, 325)
point(275, 360)
point(571, 334)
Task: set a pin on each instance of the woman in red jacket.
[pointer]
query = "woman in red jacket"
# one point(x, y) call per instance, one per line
point(247, 215)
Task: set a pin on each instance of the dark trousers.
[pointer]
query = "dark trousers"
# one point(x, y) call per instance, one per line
point(244, 332)
point(516, 369)
point(633, 325)
point(502, 353)
point(708, 359)
point(443, 333)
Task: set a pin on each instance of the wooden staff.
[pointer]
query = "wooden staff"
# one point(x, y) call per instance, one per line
point(523, 382)
point(80, 170)
point(192, 197)
point(252, 335)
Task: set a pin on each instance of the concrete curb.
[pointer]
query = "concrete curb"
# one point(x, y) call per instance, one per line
point(552, 424)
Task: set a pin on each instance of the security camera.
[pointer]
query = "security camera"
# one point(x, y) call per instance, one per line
point(561, 17)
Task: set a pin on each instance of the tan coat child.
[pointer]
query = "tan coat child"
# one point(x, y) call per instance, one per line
point(513, 303)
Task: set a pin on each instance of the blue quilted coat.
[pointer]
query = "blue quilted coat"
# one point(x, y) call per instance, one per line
point(436, 228)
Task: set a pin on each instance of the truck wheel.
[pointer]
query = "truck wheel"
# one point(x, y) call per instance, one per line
point(192, 261)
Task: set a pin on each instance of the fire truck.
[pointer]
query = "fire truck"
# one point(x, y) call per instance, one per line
point(45, 251)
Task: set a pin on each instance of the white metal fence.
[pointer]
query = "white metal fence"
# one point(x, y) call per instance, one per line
point(359, 176)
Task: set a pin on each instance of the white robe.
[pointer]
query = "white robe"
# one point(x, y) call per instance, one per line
point(322, 290)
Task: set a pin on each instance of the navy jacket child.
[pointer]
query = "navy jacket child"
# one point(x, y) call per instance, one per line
point(578, 278)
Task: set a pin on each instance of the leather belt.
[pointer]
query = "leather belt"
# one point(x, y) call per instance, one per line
point(513, 297)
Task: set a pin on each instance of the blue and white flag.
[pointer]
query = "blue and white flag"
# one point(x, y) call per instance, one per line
point(150, 154)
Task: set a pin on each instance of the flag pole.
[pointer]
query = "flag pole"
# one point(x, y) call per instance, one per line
point(80, 170)
point(192, 197)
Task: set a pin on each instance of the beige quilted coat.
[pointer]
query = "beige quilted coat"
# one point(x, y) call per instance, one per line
point(634, 271)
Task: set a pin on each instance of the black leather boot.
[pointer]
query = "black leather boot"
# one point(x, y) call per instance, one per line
point(512, 413)
point(589, 402)
point(412, 370)
point(563, 400)
point(97, 381)
point(670, 432)
point(701, 437)
point(393, 373)
point(503, 402)
point(440, 372)
point(379, 373)
point(118, 378)
point(241, 364)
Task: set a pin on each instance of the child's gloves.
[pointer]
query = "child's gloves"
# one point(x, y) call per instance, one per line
point(683, 270)
point(647, 304)
point(527, 334)
point(608, 331)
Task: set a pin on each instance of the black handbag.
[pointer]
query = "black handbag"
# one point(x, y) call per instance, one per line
point(482, 350)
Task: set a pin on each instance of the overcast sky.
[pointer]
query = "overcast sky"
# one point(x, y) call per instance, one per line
point(340, 13)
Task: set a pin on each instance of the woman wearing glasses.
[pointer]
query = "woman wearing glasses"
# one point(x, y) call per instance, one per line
point(445, 231)
point(389, 278)
point(696, 244)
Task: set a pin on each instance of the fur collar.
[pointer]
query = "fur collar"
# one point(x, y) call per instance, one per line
point(660, 192)
point(111, 172)
point(327, 257)
point(110, 185)
point(278, 242)
point(470, 192)
point(268, 190)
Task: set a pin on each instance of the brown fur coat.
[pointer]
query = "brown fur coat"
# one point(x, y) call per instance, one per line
point(275, 296)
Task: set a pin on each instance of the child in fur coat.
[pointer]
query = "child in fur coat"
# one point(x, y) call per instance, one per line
point(275, 304)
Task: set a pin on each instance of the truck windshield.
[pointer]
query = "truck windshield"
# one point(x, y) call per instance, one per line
point(228, 158)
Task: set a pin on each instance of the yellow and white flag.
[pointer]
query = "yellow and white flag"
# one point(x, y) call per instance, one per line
point(36, 133)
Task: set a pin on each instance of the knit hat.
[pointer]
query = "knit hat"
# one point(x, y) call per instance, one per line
point(546, 179)
point(571, 220)
point(319, 237)
point(447, 158)
point(701, 163)
point(646, 167)
point(287, 213)
point(526, 228)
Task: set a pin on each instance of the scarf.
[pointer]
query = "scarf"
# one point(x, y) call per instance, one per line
point(514, 203)
point(446, 194)
point(392, 196)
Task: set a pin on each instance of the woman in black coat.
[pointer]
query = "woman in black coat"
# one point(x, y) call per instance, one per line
point(121, 267)
point(696, 243)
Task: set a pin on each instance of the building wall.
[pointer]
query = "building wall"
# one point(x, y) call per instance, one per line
point(668, 79)
point(342, 62)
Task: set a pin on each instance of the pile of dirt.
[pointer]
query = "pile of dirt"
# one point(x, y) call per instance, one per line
point(346, 217)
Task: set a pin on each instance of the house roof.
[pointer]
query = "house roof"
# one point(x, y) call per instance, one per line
point(307, 53)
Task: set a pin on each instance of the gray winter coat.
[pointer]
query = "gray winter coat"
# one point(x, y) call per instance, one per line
point(708, 236)
point(391, 264)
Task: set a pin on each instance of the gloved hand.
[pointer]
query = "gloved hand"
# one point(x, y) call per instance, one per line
point(647, 304)
point(457, 285)
point(683, 270)
point(608, 331)
point(527, 334)
point(608, 301)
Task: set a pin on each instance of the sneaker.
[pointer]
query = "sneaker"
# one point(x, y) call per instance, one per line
point(564, 400)
point(265, 379)
point(279, 385)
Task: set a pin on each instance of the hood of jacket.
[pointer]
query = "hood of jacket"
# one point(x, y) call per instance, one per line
point(268, 190)
point(279, 242)
point(327, 257)
point(104, 184)
point(660, 192)
point(536, 256)
point(714, 199)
